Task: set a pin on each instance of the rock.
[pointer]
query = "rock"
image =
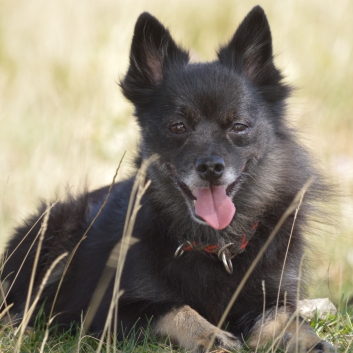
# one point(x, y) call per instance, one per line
point(323, 307)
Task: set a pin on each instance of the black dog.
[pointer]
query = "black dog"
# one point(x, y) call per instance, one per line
point(228, 168)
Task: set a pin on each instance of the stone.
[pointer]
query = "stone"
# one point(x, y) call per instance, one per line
point(322, 307)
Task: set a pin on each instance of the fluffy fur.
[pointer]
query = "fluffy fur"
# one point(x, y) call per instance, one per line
point(215, 124)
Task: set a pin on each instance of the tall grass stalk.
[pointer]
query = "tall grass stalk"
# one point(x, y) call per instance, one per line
point(291, 208)
point(84, 236)
point(120, 250)
point(285, 259)
point(263, 314)
point(30, 304)
point(39, 234)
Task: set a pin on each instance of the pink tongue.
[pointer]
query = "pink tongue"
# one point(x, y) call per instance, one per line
point(214, 206)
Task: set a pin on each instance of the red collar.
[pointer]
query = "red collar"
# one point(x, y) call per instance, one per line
point(223, 252)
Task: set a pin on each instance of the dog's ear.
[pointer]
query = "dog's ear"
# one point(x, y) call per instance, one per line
point(249, 52)
point(152, 52)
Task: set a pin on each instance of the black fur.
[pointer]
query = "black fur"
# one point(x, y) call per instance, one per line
point(264, 163)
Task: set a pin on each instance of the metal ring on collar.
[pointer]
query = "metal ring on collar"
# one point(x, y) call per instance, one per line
point(227, 262)
point(221, 251)
point(179, 251)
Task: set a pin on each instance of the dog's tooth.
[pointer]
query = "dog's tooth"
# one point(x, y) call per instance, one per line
point(194, 203)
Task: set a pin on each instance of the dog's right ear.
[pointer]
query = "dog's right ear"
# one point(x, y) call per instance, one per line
point(152, 52)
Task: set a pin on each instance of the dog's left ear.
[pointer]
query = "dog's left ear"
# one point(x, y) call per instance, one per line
point(249, 52)
point(152, 52)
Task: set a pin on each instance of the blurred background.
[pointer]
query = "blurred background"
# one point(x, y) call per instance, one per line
point(64, 123)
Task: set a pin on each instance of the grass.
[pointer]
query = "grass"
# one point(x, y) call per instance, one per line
point(337, 329)
point(68, 342)
point(63, 121)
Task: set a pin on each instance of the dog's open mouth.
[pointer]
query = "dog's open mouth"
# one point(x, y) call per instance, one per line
point(211, 204)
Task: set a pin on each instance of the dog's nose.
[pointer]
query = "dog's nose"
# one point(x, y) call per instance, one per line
point(210, 168)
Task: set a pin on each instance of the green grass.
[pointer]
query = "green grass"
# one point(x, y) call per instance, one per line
point(67, 342)
point(337, 329)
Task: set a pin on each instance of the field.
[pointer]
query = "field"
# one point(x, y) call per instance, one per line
point(64, 123)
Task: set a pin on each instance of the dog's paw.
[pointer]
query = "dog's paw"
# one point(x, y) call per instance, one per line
point(290, 333)
point(185, 327)
point(303, 344)
point(222, 339)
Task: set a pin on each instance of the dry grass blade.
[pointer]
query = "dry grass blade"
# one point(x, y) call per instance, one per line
point(84, 236)
point(298, 324)
point(46, 333)
point(349, 346)
point(4, 286)
point(263, 315)
point(286, 255)
point(103, 282)
point(26, 313)
point(292, 207)
point(46, 215)
point(30, 311)
point(295, 316)
point(5, 311)
point(118, 255)
point(79, 336)
point(22, 240)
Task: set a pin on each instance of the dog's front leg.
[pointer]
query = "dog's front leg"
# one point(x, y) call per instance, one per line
point(287, 331)
point(185, 327)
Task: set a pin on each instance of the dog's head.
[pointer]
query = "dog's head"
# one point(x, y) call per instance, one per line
point(208, 122)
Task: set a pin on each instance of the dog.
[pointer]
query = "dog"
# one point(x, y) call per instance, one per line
point(211, 226)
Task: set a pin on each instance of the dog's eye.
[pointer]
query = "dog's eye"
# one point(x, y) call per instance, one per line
point(239, 128)
point(177, 128)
